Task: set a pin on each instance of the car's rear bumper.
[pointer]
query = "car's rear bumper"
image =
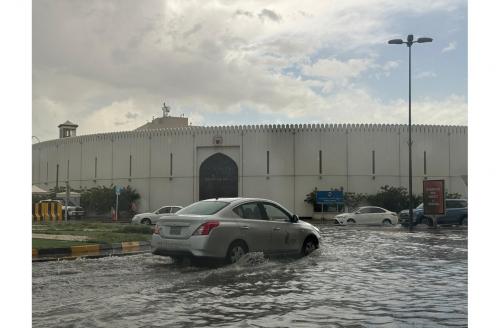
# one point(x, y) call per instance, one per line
point(76, 214)
point(195, 246)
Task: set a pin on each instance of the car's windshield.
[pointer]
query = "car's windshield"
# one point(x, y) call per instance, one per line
point(203, 208)
point(420, 206)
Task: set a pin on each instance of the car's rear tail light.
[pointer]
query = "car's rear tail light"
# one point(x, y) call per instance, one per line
point(206, 227)
point(156, 230)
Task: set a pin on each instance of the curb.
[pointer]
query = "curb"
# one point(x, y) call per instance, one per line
point(90, 249)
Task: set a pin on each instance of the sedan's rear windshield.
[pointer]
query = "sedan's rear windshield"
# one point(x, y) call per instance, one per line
point(203, 208)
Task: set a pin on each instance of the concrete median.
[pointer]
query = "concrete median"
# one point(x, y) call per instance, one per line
point(90, 250)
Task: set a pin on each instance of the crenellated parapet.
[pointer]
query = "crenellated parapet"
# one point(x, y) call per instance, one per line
point(261, 128)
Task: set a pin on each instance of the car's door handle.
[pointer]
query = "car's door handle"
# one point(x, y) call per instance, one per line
point(244, 227)
point(276, 229)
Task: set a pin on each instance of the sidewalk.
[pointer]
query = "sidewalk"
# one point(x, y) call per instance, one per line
point(59, 237)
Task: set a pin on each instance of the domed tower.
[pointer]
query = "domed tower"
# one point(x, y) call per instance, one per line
point(67, 129)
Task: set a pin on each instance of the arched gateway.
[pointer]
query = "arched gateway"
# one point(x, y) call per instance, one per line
point(218, 177)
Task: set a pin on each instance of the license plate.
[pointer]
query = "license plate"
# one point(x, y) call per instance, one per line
point(175, 230)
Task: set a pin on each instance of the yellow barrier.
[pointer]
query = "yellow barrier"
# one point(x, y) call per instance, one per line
point(59, 212)
point(49, 212)
point(45, 212)
point(38, 215)
point(52, 212)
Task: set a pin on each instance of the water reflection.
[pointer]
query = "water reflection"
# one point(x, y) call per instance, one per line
point(361, 277)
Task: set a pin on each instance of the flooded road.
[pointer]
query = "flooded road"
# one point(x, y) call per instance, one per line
point(361, 277)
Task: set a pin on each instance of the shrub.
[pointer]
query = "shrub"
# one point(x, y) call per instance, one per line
point(392, 198)
point(101, 199)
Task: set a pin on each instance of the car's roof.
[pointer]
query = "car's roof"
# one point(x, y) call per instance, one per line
point(373, 207)
point(238, 199)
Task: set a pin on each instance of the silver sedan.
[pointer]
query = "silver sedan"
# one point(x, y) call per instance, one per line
point(152, 218)
point(368, 215)
point(227, 228)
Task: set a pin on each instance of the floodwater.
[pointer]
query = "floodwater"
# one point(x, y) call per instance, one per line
point(360, 277)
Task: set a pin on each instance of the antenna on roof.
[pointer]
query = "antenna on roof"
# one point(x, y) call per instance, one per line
point(166, 110)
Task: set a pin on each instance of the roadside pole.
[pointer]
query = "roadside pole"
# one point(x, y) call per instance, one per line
point(434, 221)
point(67, 195)
point(117, 190)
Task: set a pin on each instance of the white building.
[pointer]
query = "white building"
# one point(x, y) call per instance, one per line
point(279, 162)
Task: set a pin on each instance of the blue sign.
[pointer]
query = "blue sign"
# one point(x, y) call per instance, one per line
point(118, 189)
point(329, 197)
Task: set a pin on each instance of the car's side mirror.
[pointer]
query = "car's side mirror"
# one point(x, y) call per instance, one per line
point(294, 219)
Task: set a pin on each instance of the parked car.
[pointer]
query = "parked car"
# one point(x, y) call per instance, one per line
point(227, 228)
point(368, 215)
point(456, 213)
point(74, 211)
point(152, 218)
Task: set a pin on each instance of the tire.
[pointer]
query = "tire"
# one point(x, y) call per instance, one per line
point(146, 221)
point(351, 221)
point(309, 246)
point(176, 259)
point(427, 221)
point(464, 221)
point(387, 222)
point(236, 251)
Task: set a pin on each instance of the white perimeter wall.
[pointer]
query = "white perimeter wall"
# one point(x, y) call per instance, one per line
point(141, 159)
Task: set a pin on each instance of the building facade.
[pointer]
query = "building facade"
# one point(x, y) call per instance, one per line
point(280, 162)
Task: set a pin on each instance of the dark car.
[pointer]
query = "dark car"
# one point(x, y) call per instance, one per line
point(456, 213)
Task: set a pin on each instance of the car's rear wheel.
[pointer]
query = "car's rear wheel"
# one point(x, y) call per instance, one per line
point(309, 246)
point(464, 221)
point(236, 251)
point(146, 221)
point(387, 222)
point(351, 221)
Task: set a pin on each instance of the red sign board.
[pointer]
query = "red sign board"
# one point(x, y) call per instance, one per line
point(434, 202)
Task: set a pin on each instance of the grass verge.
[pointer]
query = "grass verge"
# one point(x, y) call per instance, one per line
point(100, 233)
point(48, 243)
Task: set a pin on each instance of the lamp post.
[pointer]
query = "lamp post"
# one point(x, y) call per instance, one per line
point(409, 42)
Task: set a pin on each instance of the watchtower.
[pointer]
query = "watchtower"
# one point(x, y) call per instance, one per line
point(67, 129)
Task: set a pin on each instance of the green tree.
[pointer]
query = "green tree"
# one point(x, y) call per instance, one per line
point(100, 200)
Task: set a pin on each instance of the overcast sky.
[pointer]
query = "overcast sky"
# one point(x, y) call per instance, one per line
point(110, 65)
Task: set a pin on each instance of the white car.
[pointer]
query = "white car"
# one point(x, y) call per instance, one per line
point(152, 218)
point(368, 215)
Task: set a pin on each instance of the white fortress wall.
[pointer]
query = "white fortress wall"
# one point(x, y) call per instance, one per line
point(163, 165)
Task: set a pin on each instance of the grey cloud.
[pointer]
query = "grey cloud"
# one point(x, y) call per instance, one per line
point(130, 115)
point(240, 12)
point(193, 30)
point(125, 50)
point(269, 14)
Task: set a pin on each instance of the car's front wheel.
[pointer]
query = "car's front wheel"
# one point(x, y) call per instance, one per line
point(351, 221)
point(387, 222)
point(309, 246)
point(146, 221)
point(236, 251)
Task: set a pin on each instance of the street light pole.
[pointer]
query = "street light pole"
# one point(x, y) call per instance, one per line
point(409, 42)
point(410, 172)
